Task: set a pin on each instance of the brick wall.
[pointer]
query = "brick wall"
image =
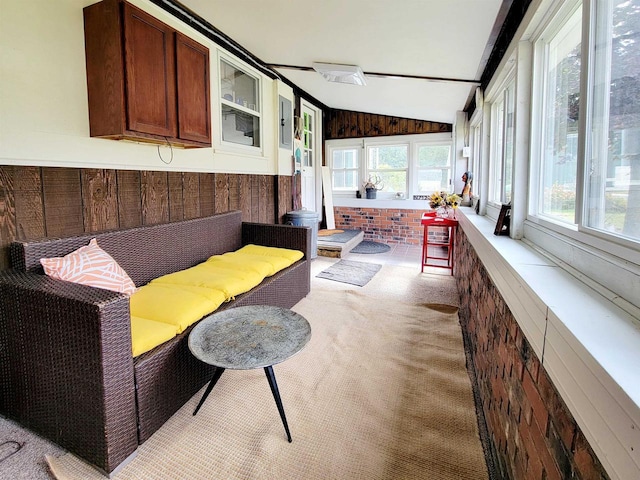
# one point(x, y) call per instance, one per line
point(386, 225)
point(532, 433)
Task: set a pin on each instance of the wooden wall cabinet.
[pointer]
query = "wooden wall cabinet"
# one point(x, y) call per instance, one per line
point(146, 81)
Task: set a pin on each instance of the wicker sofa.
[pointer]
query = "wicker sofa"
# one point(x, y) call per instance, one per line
point(66, 368)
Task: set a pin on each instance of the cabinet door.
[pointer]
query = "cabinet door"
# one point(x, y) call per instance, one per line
point(194, 111)
point(150, 74)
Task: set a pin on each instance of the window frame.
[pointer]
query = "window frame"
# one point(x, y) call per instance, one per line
point(412, 141)
point(610, 261)
point(369, 172)
point(574, 243)
point(579, 230)
point(499, 102)
point(550, 29)
point(415, 189)
point(358, 160)
point(258, 113)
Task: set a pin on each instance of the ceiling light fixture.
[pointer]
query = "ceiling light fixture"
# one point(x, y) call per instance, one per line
point(334, 72)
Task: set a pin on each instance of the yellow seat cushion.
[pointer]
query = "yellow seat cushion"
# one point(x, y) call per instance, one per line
point(147, 334)
point(178, 305)
point(289, 254)
point(168, 305)
point(210, 275)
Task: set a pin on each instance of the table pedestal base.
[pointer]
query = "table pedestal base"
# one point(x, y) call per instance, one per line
point(271, 377)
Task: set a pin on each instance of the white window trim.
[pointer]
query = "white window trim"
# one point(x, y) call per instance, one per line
point(499, 94)
point(343, 144)
point(347, 197)
point(398, 141)
point(553, 25)
point(347, 146)
point(414, 170)
point(586, 247)
point(496, 148)
point(411, 140)
point(231, 147)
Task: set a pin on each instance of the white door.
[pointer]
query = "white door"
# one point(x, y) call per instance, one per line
point(309, 156)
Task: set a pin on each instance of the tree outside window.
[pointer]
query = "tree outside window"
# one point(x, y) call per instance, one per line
point(434, 168)
point(390, 163)
point(613, 173)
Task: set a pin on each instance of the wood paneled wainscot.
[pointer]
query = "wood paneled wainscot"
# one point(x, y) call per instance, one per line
point(37, 202)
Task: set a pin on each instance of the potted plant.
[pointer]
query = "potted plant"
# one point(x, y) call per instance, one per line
point(372, 185)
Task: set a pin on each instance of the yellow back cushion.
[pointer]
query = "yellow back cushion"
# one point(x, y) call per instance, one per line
point(147, 334)
point(178, 305)
point(255, 258)
point(229, 261)
point(289, 254)
point(210, 275)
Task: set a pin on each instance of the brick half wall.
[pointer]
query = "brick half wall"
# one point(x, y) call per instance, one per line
point(387, 225)
point(533, 435)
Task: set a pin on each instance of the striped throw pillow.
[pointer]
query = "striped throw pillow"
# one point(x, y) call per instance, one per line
point(90, 265)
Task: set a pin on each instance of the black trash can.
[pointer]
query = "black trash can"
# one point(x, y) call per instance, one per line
point(306, 218)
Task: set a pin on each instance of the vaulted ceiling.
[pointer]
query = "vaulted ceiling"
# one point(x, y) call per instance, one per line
point(422, 59)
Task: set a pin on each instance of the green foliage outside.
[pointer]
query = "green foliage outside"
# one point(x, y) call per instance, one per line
point(389, 158)
point(387, 161)
point(561, 202)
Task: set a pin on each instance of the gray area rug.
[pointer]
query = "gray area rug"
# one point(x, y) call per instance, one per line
point(348, 271)
point(368, 246)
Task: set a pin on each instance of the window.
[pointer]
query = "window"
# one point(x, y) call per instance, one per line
point(613, 167)
point(433, 169)
point(345, 166)
point(476, 153)
point(509, 135)
point(497, 150)
point(307, 135)
point(406, 165)
point(584, 140)
point(240, 105)
point(391, 164)
point(559, 52)
point(502, 145)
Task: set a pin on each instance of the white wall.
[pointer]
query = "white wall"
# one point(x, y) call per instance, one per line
point(44, 117)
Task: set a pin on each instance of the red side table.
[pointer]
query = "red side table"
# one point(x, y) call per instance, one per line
point(438, 241)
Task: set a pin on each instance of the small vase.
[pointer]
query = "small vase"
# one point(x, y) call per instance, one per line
point(442, 211)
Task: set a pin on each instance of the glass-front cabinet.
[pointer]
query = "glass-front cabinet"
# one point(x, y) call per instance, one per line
point(240, 105)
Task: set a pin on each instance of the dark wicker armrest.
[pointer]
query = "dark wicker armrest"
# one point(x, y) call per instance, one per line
point(67, 367)
point(283, 236)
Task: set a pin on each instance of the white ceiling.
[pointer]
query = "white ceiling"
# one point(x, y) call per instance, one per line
point(424, 38)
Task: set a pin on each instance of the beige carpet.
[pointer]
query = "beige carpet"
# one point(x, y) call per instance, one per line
point(380, 392)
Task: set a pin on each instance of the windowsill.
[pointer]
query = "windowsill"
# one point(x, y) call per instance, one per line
point(237, 150)
point(403, 204)
point(589, 346)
